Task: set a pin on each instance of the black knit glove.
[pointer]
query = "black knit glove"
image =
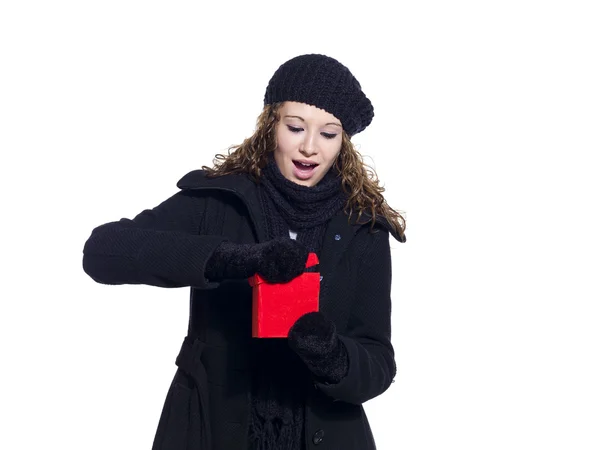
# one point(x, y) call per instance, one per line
point(277, 261)
point(314, 338)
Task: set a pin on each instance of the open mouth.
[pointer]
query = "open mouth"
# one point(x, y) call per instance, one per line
point(304, 166)
point(304, 170)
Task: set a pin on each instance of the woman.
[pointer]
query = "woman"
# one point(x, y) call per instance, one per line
point(296, 186)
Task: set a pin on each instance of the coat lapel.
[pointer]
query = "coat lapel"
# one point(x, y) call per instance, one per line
point(338, 235)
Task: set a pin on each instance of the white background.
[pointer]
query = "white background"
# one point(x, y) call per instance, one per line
point(486, 133)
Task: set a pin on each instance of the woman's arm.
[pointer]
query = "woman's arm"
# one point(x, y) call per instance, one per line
point(371, 364)
point(159, 247)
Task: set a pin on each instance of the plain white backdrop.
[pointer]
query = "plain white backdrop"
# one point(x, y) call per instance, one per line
point(486, 132)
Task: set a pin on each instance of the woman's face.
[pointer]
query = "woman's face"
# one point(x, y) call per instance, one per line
point(308, 142)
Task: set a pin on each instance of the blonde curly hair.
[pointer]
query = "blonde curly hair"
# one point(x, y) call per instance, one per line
point(359, 180)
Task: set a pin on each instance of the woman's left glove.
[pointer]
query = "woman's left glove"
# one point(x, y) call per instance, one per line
point(314, 338)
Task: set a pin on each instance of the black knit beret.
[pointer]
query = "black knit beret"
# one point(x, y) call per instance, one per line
point(323, 82)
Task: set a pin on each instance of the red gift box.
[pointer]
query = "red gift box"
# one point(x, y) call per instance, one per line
point(277, 306)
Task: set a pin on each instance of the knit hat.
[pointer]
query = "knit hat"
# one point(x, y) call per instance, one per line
point(323, 82)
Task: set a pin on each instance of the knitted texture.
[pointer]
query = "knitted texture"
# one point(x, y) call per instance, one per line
point(278, 394)
point(314, 338)
point(277, 261)
point(323, 82)
point(304, 209)
point(281, 377)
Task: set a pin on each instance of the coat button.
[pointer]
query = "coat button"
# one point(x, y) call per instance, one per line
point(337, 237)
point(318, 437)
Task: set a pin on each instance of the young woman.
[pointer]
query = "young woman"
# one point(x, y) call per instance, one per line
point(297, 185)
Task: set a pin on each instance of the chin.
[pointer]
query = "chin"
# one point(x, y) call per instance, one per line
point(313, 181)
point(300, 182)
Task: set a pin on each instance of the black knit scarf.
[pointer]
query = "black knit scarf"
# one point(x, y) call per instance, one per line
point(303, 209)
point(281, 379)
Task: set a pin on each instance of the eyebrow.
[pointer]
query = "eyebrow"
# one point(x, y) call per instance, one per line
point(330, 123)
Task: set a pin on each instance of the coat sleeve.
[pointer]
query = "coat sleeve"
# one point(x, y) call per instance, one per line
point(371, 364)
point(158, 247)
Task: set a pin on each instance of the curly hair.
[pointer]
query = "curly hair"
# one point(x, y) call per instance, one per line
point(359, 180)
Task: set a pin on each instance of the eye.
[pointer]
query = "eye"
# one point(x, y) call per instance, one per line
point(298, 130)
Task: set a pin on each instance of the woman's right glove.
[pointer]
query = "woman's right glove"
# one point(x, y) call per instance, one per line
point(277, 261)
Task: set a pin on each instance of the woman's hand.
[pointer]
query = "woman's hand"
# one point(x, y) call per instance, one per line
point(314, 338)
point(277, 261)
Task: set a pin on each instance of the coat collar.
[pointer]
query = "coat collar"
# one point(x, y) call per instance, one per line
point(238, 184)
point(244, 187)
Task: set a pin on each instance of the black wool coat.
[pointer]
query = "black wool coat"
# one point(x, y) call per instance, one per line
point(207, 405)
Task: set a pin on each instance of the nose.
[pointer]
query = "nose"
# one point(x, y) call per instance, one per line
point(309, 146)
